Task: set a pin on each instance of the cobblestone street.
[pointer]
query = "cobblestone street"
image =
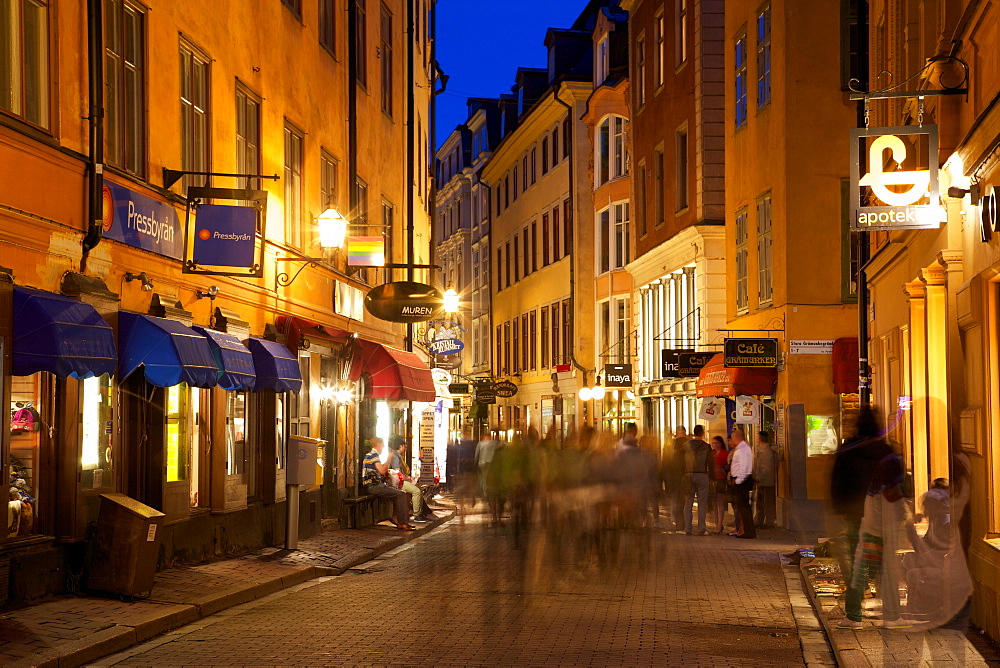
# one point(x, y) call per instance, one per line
point(465, 595)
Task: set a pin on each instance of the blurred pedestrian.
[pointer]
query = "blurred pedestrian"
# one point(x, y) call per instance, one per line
point(765, 461)
point(741, 474)
point(720, 456)
point(700, 463)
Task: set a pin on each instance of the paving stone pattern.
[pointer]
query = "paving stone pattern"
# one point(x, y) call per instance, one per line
point(466, 595)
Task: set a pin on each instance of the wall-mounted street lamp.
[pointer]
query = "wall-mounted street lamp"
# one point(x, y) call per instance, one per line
point(587, 393)
point(144, 280)
point(451, 301)
point(332, 229)
point(211, 293)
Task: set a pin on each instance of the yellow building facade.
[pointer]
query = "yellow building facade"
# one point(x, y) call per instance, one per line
point(256, 88)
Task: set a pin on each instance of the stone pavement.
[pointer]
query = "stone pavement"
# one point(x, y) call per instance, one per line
point(70, 631)
point(875, 646)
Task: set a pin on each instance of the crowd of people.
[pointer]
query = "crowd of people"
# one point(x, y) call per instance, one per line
point(597, 480)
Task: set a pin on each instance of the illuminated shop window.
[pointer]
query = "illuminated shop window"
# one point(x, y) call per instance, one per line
point(178, 421)
point(96, 413)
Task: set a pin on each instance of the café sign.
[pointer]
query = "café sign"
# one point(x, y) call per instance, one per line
point(750, 353)
point(898, 189)
point(689, 365)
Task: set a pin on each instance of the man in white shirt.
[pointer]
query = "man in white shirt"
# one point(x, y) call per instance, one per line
point(741, 472)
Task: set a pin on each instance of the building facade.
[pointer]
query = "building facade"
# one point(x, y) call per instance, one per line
point(103, 97)
point(678, 182)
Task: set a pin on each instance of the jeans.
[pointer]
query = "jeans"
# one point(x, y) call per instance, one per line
point(743, 509)
point(400, 507)
point(699, 488)
point(765, 505)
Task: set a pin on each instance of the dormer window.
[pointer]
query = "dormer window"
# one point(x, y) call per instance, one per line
point(601, 61)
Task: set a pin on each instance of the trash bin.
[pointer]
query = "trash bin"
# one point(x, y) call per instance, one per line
point(126, 547)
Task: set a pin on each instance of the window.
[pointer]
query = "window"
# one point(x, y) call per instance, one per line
point(177, 453)
point(95, 447)
point(532, 340)
point(659, 47)
point(527, 251)
point(124, 82)
point(385, 56)
point(741, 80)
point(524, 173)
point(506, 347)
point(681, 143)
point(567, 332)
point(545, 156)
point(765, 253)
point(516, 189)
point(517, 257)
point(601, 60)
point(681, 33)
point(525, 348)
point(329, 195)
point(764, 56)
point(194, 115)
point(515, 345)
point(567, 227)
point(506, 191)
point(534, 245)
point(298, 403)
point(247, 137)
point(742, 262)
point(567, 133)
point(555, 145)
point(328, 25)
point(555, 334)
point(361, 44)
point(613, 223)
point(640, 71)
point(546, 242)
point(640, 200)
point(497, 367)
point(544, 351)
point(556, 246)
point(295, 6)
point(658, 217)
point(850, 261)
point(499, 265)
point(293, 186)
point(613, 331)
point(534, 161)
point(24, 67)
point(388, 220)
point(507, 263)
point(853, 45)
point(612, 154)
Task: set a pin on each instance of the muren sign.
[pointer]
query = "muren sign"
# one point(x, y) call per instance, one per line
point(751, 353)
point(403, 301)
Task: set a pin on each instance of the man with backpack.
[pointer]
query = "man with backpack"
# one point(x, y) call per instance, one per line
point(699, 464)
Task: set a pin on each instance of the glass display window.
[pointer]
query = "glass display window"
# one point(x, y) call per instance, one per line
point(178, 450)
point(96, 414)
point(26, 423)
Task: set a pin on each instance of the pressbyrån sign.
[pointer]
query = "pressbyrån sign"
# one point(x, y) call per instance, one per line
point(226, 236)
point(142, 222)
point(750, 353)
point(895, 199)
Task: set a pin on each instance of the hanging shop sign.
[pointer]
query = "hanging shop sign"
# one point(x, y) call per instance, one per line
point(618, 375)
point(747, 410)
point(670, 361)
point(403, 301)
point(894, 178)
point(459, 388)
point(366, 251)
point(750, 353)
point(505, 389)
point(988, 212)
point(224, 240)
point(485, 394)
point(712, 408)
point(141, 222)
point(442, 337)
point(689, 365)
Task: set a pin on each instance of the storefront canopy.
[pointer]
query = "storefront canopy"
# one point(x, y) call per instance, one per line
point(845, 365)
point(60, 335)
point(234, 361)
point(715, 380)
point(275, 366)
point(295, 329)
point(395, 373)
point(169, 352)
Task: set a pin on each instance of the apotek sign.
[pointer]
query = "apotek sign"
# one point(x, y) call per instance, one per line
point(903, 197)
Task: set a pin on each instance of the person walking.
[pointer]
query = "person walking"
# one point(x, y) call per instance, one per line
point(701, 463)
point(741, 473)
point(720, 456)
point(765, 461)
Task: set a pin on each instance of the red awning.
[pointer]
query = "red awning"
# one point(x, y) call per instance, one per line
point(295, 329)
point(715, 380)
point(845, 365)
point(394, 373)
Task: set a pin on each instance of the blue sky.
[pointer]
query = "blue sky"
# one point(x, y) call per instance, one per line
point(481, 43)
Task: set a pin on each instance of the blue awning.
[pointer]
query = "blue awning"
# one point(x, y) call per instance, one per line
point(169, 352)
point(235, 362)
point(60, 335)
point(277, 368)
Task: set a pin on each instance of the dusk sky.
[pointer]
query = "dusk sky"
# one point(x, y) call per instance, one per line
point(481, 43)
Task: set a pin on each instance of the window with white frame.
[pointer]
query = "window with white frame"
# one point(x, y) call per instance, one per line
point(742, 262)
point(293, 186)
point(740, 60)
point(601, 61)
point(613, 225)
point(765, 253)
point(669, 318)
point(764, 56)
point(612, 153)
point(195, 140)
point(24, 68)
point(613, 330)
point(124, 85)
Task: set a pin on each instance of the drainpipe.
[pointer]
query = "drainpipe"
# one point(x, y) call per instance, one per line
point(352, 178)
point(95, 167)
point(572, 257)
